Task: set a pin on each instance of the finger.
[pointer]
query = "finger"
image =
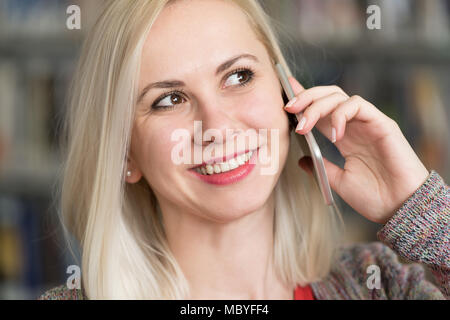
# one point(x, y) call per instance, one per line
point(308, 96)
point(296, 86)
point(334, 174)
point(354, 108)
point(319, 109)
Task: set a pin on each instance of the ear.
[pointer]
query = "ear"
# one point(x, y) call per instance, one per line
point(136, 173)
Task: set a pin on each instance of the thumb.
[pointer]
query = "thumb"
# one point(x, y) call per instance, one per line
point(296, 86)
point(333, 171)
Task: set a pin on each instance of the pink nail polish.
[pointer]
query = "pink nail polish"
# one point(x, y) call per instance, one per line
point(301, 124)
point(290, 103)
point(333, 135)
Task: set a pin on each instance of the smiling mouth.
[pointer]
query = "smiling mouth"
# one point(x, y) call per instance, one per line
point(219, 166)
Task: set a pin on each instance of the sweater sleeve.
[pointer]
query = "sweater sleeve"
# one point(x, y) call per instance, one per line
point(419, 232)
point(62, 292)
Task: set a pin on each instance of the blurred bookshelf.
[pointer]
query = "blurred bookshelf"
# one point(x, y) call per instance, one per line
point(403, 69)
point(37, 59)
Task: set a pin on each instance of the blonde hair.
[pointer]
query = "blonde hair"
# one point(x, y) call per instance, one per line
point(125, 254)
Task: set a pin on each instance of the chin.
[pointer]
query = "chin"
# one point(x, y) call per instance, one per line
point(228, 210)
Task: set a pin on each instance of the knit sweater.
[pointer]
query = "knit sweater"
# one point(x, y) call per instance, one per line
point(418, 232)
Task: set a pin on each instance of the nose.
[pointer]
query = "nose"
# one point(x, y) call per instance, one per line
point(218, 117)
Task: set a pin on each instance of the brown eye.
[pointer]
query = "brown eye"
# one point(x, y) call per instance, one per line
point(175, 98)
point(168, 101)
point(240, 77)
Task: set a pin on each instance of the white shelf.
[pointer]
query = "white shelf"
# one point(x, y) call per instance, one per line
point(29, 183)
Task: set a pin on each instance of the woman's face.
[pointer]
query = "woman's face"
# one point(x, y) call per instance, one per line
point(187, 44)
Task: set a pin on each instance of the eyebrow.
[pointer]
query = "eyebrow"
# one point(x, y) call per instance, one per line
point(177, 83)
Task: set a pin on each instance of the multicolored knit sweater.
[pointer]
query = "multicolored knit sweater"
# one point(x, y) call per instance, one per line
point(417, 232)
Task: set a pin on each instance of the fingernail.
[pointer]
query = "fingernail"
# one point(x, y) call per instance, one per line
point(301, 124)
point(290, 103)
point(333, 135)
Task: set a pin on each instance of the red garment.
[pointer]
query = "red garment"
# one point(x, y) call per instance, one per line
point(303, 293)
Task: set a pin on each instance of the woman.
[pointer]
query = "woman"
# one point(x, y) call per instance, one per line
point(153, 228)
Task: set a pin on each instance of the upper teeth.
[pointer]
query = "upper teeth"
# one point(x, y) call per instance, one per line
point(225, 166)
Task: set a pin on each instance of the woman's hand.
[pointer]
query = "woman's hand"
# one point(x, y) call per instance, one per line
point(381, 170)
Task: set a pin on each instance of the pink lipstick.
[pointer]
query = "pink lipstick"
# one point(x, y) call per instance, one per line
point(230, 176)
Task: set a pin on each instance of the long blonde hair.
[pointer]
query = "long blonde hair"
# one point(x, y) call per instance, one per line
point(125, 254)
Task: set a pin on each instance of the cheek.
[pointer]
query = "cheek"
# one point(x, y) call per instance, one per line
point(265, 110)
point(153, 147)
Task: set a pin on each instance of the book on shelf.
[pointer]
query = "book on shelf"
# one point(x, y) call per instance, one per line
point(344, 23)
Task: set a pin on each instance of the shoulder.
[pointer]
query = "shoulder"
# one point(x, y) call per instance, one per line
point(358, 257)
point(365, 261)
point(349, 273)
point(373, 271)
point(62, 292)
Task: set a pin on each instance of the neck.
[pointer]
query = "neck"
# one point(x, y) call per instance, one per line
point(232, 260)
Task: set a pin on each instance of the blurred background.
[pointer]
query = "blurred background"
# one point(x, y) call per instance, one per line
point(403, 68)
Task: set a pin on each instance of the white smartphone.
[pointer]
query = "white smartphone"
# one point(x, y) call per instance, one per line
point(307, 142)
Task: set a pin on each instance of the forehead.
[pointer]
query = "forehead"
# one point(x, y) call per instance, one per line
point(195, 34)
